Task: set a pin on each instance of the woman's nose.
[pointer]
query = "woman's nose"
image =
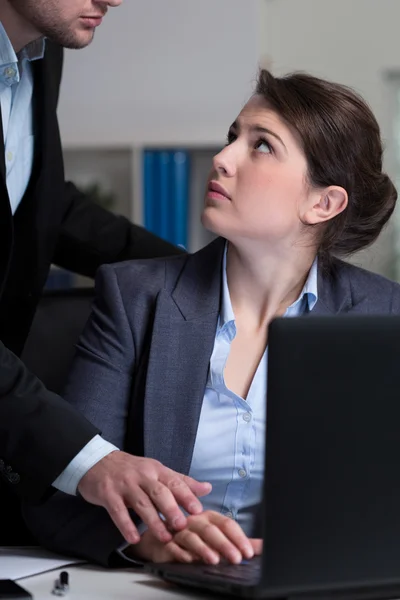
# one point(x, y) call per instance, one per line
point(224, 162)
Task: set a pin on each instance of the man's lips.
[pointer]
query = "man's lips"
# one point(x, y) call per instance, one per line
point(93, 21)
point(217, 191)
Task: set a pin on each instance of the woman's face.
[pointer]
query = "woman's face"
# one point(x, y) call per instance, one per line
point(263, 173)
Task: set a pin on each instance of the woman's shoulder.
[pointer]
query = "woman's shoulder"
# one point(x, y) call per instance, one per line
point(362, 281)
point(150, 275)
point(146, 274)
point(363, 275)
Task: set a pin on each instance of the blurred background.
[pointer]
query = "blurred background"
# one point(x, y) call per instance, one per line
point(145, 107)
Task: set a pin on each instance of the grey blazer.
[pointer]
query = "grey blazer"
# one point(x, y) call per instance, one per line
point(141, 369)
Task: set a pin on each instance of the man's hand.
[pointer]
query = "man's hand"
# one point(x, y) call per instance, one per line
point(208, 537)
point(120, 481)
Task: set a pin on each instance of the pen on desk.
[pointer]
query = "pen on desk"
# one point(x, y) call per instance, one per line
point(61, 585)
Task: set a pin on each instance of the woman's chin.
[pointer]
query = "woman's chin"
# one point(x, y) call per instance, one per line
point(207, 222)
point(213, 222)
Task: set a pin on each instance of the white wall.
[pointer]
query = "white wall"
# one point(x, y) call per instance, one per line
point(161, 70)
point(178, 71)
point(351, 41)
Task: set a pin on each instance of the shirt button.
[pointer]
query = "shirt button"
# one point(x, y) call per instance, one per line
point(10, 72)
point(247, 417)
point(242, 473)
point(229, 514)
point(9, 156)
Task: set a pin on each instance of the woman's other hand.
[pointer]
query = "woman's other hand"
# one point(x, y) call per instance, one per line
point(209, 537)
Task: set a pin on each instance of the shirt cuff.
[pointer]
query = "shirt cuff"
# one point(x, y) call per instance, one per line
point(90, 454)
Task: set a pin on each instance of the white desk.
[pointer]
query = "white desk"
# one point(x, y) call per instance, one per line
point(95, 583)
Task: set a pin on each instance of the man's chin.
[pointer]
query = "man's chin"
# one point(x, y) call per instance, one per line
point(74, 41)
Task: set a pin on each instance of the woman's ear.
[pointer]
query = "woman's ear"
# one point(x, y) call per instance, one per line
point(329, 203)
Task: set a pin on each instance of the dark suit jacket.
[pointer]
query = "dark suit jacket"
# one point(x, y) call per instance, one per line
point(142, 365)
point(39, 433)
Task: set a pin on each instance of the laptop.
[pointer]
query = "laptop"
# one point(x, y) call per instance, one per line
point(330, 515)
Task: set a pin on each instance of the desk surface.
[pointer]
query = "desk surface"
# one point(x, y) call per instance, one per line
point(90, 582)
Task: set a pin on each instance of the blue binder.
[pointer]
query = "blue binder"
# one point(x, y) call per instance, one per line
point(166, 194)
point(180, 194)
point(149, 192)
point(165, 201)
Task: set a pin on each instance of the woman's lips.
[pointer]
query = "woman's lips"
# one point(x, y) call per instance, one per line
point(217, 192)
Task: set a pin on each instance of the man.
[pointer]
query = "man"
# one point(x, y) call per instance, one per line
point(44, 443)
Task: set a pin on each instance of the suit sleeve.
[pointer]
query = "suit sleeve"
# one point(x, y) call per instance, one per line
point(39, 432)
point(91, 236)
point(99, 386)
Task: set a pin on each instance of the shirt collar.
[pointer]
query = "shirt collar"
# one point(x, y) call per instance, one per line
point(310, 291)
point(310, 288)
point(226, 313)
point(34, 50)
point(9, 71)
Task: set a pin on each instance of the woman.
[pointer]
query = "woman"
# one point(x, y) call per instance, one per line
point(172, 363)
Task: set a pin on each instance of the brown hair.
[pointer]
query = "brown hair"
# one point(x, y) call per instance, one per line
point(341, 141)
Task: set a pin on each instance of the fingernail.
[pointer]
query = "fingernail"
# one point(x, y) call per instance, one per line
point(235, 557)
point(248, 551)
point(178, 522)
point(195, 507)
point(134, 539)
point(212, 558)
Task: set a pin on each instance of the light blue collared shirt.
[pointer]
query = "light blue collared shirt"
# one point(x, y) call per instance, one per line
point(16, 91)
point(229, 447)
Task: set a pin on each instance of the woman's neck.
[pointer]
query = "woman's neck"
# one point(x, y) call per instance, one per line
point(263, 285)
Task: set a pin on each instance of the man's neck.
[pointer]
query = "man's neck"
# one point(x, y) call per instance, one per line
point(19, 31)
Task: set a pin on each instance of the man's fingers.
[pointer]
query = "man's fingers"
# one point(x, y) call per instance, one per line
point(183, 496)
point(143, 506)
point(163, 500)
point(199, 488)
point(185, 490)
point(121, 518)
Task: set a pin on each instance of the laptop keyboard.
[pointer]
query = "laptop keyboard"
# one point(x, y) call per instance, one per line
point(247, 572)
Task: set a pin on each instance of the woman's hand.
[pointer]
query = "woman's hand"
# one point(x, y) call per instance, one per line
point(208, 537)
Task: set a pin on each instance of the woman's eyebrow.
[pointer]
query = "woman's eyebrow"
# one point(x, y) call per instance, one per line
point(259, 129)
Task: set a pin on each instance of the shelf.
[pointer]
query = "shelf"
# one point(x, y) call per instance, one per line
point(119, 171)
point(111, 168)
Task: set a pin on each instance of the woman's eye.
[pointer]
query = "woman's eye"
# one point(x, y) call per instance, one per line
point(230, 138)
point(263, 146)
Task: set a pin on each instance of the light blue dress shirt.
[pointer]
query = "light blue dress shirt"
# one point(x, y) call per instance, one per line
point(16, 91)
point(229, 446)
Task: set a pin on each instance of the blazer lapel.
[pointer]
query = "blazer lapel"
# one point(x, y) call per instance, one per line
point(44, 126)
point(182, 342)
